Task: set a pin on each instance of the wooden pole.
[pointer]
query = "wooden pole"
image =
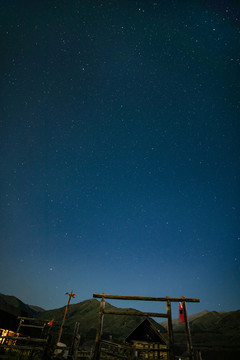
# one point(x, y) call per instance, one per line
point(97, 349)
point(75, 343)
point(170, 331)
point(64, 316)
point(20, 324)
point(187, 329)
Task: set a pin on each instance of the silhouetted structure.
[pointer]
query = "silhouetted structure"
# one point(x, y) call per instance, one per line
point(147, 340)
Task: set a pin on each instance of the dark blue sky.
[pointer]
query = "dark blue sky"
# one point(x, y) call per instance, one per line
point(120, 150)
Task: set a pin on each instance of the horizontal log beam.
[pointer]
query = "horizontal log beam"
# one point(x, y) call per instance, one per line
point(32, 326)
point(110, 343)
point(135, 313)
point(24, 347)
point(24, 339)
point(119, 356)
point(148, 348)
point(144, 298)
point(33, 319)
point(151, 350)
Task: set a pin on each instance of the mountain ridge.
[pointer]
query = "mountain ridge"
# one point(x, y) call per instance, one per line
point(216, 334)
point(15, 302)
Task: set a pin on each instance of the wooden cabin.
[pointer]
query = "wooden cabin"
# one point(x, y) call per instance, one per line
point(147, 341)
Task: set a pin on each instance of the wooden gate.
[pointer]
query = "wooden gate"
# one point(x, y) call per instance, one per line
point(168, 315)
point(22, 345)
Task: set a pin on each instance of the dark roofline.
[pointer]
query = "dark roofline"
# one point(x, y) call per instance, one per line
point(152, 327)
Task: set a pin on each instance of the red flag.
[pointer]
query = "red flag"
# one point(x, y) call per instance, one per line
point(181, 315)
point(51, 322)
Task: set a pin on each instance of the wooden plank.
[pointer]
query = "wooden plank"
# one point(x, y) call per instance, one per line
point(135, 313)
point(24, 339)
point(109, 353)
point(150, 350)
point(23, 347)
point(33, 319)
point(32, 326)
point(144, 298)
point(110, 343)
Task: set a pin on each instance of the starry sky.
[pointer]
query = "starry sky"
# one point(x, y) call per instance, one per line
point(120, 155)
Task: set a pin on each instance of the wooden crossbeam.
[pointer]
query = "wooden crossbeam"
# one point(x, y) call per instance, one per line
point(151, 350)
point(24, 339)
point(32, 319)
point(32, 326)
point(23, 347)
point(135, 313)
point(144, 298)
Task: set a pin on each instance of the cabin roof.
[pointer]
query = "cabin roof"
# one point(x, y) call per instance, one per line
point(146, 331)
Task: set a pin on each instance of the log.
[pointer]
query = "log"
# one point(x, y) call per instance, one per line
point(144, 298)
point(33, 319)
point(23, 347)
point(170, 331)
point(32, 326)
point(135, 313)
point(24, 339)
point(188, 334)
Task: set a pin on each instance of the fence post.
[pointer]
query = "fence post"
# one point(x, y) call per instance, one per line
point(188, 335)
point(170, 332)
point(96, 355)
point(75, 343)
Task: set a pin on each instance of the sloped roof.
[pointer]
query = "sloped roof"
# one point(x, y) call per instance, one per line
point(146, 332)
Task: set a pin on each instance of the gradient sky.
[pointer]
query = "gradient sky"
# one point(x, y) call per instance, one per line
point(120, 150)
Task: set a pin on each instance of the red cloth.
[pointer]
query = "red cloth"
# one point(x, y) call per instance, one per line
point(181, 315)
point(51, 322)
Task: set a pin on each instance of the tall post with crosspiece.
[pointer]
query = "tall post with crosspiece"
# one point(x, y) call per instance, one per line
point(61, 328)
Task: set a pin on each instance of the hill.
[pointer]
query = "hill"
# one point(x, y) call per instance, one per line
point(86, 313)
point(215, 334)
point(23, 309)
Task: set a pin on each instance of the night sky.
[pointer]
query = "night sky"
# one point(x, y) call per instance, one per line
point(120, 155)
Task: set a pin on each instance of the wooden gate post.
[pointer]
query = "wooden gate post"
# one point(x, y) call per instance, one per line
point(188, 335)
point(168, 301)
point(75, 343)
point(96, 355)
point(170, 332)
